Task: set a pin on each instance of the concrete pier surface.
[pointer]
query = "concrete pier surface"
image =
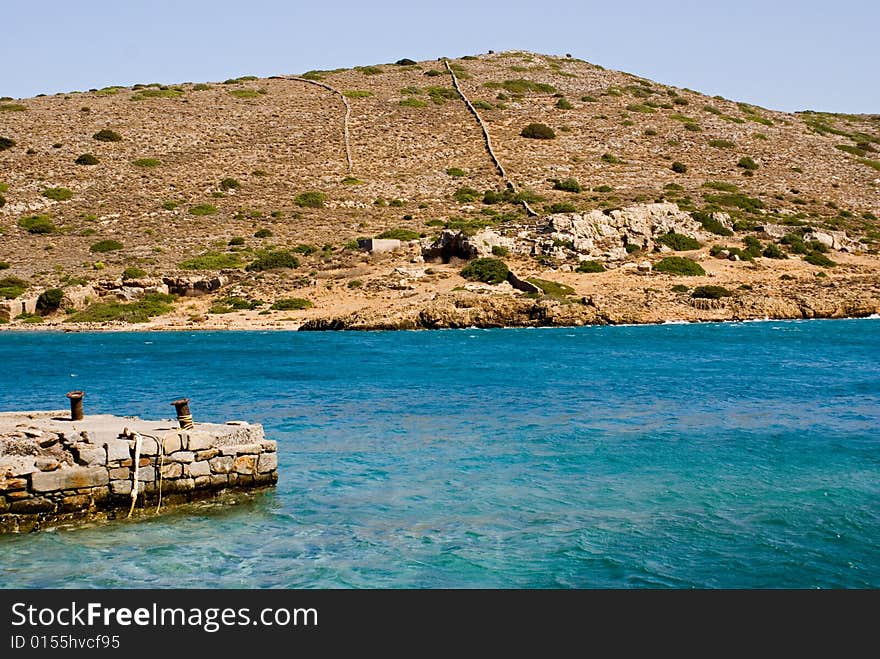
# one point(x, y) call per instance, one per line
point(54, 469)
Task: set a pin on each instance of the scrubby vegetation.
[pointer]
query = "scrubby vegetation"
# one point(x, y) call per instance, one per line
point(678, 265)
point(678, 242)
point(522, 86)
point(311, 199)
point(161, 92)
point(399, 234)
point(38, 224)
point(273, 260)
point(487, 270)
point(151, 305)
point(212, 261)
point(551, 288)
point(106, 246)
point(146, 162)
point(202, 210)
point(567, 185)
point(107, 135)
point(291, 304)
point(721, 144)
point(247, 93)
point(6, 143)
point(590, 266)
point(133, 272)
point(466, 195)
point(678, 167)
point(86, 159)
point(818, 258)
point(537, 131)
point(773, 251)
point(710, 292)
point(49, 300)
point(12, 287)
point(232, 303)
point(561, 207)
point(57, 194)
point(710, 224)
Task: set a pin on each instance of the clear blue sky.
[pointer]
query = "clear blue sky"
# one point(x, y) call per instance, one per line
point(785, 55)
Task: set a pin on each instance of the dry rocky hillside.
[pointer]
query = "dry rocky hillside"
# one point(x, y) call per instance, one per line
point(233, 204)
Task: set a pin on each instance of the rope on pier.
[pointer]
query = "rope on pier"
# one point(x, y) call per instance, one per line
point(488, 140)
point(138, 440)
point(345, 130)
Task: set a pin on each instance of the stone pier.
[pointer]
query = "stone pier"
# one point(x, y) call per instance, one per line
point(55, 470)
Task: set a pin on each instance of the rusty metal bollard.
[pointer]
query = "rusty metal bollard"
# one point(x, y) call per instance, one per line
point(76, 404)
point(184, 417)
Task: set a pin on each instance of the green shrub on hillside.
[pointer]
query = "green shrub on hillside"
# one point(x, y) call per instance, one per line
point(466, 195)
point(818, 258)
point(247, 93)
point(133, 272)
point(153, 304)
point(12, 287)
point(202, 210)
point(399, 234)
point(590, 266)
point(537, 131)
point(487, 270)
point(678, 265)
point(107, 135)
point(57, 194)
point(522, 86)
point(37, 224)
point(567, 185)
point(560, 207)
point(678, 242)
point(710, 224)
point(273, 260)
point(6, 143)
point(50, 300)
point(773, 251)
point(211, 261)
point(291, 304)
point(311, 199)
point(551, 288)
point(106, 246)
point(86, 159)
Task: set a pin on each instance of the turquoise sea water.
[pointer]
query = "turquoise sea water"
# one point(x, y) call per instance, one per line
point(710, 455)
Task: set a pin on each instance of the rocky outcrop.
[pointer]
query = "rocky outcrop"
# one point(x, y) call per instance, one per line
point(195, 285)
point(837, 240)
point(606, 234)
point(458, 244)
